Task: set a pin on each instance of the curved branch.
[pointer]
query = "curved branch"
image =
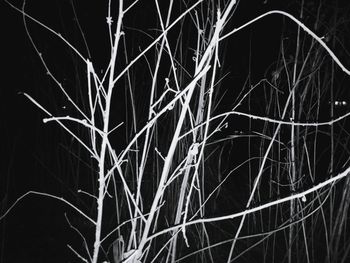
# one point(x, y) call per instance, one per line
point(305, 28)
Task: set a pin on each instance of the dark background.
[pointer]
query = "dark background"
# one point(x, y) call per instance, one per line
point(33, 154)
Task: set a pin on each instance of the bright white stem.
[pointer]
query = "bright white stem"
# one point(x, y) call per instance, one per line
point(104, 143)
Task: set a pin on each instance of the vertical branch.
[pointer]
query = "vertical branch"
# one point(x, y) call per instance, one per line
point(104, 142)
point(293, 140)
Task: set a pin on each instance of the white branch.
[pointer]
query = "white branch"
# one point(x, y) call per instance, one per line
point(300, 195)
point(305, 28)
point(47, 195)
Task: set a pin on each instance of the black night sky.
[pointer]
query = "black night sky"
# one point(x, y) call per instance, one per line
point(42, 157)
